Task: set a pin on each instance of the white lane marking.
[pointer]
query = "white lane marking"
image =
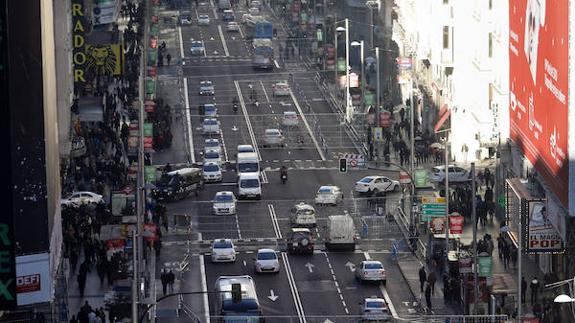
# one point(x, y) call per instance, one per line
point(205, 51)
point(238, 226)
point(197, 15)
point(275, 223)
point(226, 51)
point(181, 44)
point(311, 133)
point(189, 123)
point(276, 64)
point(265, 92)
point(245, 264)
point(224, 145)
point(336, 283)
point(264, 177)
point(384, 292)
point(247, 118)
point(293, 288)
point(214, 9)
point(204, 289)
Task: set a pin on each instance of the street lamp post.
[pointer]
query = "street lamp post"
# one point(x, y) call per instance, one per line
point(347, 107)
point(564, 298)
point(361, 53)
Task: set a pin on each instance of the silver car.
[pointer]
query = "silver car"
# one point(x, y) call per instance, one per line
point(273, 137)
point(375, 309)
point(197, 48)
point(224, 203)
point(207, 88)
point(203, 20)
point(223, 250)
point(371, 270)
point(211, 126)
point(267, 261)
point(212, 144)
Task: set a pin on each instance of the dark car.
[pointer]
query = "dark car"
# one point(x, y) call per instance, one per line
point(300, 240)
point(179, 184)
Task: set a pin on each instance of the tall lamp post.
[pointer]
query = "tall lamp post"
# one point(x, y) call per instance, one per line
point(346, 30)
point(565, 298)
point(361, 53)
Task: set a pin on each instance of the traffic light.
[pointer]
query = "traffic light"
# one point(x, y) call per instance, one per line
point(343, 165)
point(237, 293)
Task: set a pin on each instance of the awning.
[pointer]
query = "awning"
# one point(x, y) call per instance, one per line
point(442, 120)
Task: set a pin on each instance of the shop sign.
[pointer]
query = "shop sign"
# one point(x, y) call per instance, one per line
point(420, 177)
point(150, 173)
point(78, 41)
point(369, 98)
point(341, 65)
point(437, 225)
point(148, 129)
point(150, 232)
point(148, 143)
point(465, 265)
point(377, 134)
point(28, 283)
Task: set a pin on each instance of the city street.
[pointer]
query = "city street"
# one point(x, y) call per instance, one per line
point(312, 288)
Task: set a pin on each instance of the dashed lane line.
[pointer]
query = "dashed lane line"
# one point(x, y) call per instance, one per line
point(265, 92)
point(336, 284)
point(384, 292)
point(311, 133)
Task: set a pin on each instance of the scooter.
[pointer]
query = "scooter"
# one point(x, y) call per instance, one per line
point(283, 178)
point(235, 108)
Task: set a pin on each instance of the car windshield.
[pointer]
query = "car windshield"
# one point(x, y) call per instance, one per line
point(224, 198)
point(222, 244)
point(248, 167)
point(324, 190)
point(249, 183)
point(245, 150)
point(212, 144)
point(267, 256)
point(204, 17)
point(210, 109)
point(206, 83)
point(211, 168)
point(305, 211)
point(212, 155)
point(373, 304)
point(366, 180)
point(197, 44)
point(436, 170)
point(300, 235)
point(373, 265)
point(210, 122)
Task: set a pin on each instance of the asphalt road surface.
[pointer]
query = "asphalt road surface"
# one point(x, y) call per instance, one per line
point(313, 288)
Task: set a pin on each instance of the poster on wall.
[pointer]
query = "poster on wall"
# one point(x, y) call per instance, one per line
point(542, 237)
point(538, 94)
point(33, 281)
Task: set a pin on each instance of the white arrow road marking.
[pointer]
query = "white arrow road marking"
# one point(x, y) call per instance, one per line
point(273, 296)
point(350, 266)
point(328, 321)
point(310, 267)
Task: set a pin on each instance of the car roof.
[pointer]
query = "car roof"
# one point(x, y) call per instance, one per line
point(204, 16)
point(223, 240)
point(266, 250)
point(228, 11)
point(327, 186)
point(205, 81)
point(281, 83)
point(224, 193)
point(300, 230)
point(249, 175)
point(210, 119)
point(184, 171)
point(290, 113)
point(212, 151)
point(197, 43)
point(212, 140)
point(372, 262)
point(211, 164)
point(272, 130)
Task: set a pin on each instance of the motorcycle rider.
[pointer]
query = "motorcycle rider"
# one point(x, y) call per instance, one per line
point(235, 104)
point(283, 173)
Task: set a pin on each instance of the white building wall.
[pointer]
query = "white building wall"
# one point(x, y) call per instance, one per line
point(65, 86)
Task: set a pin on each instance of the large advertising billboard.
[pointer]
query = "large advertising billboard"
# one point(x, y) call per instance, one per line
point(538, 95)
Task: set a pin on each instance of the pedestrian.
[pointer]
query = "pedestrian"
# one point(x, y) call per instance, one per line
point(428, 297)
point(171, 281)
point(422, 277)
point(101, 268)
point(102, 314)
point(446, 288)
point(500, 246)
point(431, 278)
point(73, 319)
point(506, 255)
point(523, 289)
point(168, 58)
point(487, 177)
point(164, 280)
point(514, 257)
point(81, 283)
point(534, 290)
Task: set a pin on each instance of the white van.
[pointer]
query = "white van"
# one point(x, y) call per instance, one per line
point(246, 149)
point(247, 163)
point(249, 186)
point(340, 232)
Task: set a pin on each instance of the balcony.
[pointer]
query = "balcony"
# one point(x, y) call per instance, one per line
point(447, 57)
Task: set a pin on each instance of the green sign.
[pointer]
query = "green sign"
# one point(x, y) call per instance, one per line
point(485, 266)
point(341, 65)
point(501, 200)
point(152, 57)
point(304, 17)
point(148, 129)
point(149, 86)
point(154, 30)
point(369, 98)
point(420, 177)
point(319, 35)
point(150, 174)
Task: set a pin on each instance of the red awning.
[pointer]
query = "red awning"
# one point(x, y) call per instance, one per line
point(442, 120)
point(443, 109)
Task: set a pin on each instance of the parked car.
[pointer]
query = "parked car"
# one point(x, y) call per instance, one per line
point(203, 20)
point(303, 215)
point(211, 172)
point(456, 174)
point(223, 250)
point(207, 88)
point(84, 197)
point(224, 203)
point(281, 89)
point(300, 240)
point(290, 119)
point(328, 194)
point(371, 270)
point(197, 48)
point(273, 137)
point(376, 185)
point(210, 126)
point(375, 309)
point(212, 144)
point(266, 261)
point(232, 26)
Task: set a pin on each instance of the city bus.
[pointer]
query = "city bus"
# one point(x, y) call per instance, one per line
point(263, 55)
point(247, 310)
point(258, 28)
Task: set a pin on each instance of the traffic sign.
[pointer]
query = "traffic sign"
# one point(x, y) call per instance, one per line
point(431, 207)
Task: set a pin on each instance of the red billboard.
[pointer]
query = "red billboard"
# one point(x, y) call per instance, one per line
point(538, 87)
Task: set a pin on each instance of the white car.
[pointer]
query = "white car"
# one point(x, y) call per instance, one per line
point(376, 185)
point(212, 144)
point(203, 20)
point(371, 270)
point(245, 149)
point(212, 156)
point(267, 261)
point(210, 110)
point(375, 309)
point(281, 89)
point(210, 126)
point(328, 195)
point(290, 119)
point(211, 172)
point(303, 216)
point(232, 26)
point(223, 250)
point(207, 88)
point(78, 198)
point(456, 174)
point(224, 203)
point(197, 48)
point(273, 137)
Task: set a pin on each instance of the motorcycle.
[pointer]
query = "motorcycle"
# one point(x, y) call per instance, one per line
point(284, 178)
point(235, 108)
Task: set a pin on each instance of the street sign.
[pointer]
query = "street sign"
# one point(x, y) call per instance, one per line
point(420, 177)
point(431, 207)
point(404, 63)
point(377, 134)
point(485, 266)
